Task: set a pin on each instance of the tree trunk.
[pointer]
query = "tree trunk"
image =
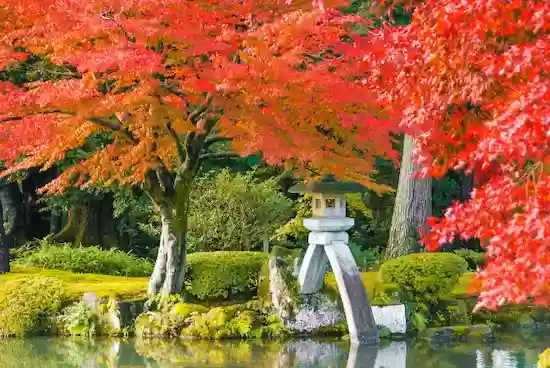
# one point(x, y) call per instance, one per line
point(9, 217)
point(91, 223)
point(413, 205)
point(4, 249)
point(169, 272)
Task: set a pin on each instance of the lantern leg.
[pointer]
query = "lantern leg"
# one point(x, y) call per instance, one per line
point(312, 271)
point(362, 356)
point(361, 325)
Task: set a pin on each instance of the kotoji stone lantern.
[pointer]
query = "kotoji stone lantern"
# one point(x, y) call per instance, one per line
point(328, 242)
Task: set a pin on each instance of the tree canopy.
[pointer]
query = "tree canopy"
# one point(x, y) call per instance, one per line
point(164, 74)
point(472, 80)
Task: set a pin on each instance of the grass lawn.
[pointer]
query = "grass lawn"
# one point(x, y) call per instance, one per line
point(79, 283)
point(136, 287)
point(370, 281)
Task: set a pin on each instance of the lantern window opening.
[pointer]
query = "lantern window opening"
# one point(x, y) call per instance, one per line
point(318, 203)
point(330, 203)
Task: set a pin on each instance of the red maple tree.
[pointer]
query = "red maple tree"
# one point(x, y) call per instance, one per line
point(169, 79)
point(472, 79)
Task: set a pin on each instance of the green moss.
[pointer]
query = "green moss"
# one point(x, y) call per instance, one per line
point(224, 275)
point(263, 285)
point(384, 332)
point(544, 359)
point(124, 288)
point(29, 305)
point(371, 281)
point(184, 310)
point(460, 331)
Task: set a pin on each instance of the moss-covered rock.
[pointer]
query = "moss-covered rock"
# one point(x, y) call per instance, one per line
point(184, 310)
point(458, 333)
point(91, 317)
point(302, 314)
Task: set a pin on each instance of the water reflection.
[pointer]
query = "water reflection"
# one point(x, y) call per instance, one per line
point(150, 353)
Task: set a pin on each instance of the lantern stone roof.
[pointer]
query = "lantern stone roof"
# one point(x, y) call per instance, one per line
point(328, 184)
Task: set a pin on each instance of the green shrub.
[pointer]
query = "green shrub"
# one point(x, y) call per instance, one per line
point(474, 259)
point(85, 260)
point(364, 258)
point(223, 275)
point(28, 306)
point(428, 276)
point(79, 320)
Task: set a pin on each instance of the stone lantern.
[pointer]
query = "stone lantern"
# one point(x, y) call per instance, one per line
point(328, 242)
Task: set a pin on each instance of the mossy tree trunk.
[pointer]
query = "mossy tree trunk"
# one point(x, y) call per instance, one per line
point(169, 191)
point(413, 206)
point(169, 272)
point(91, 223)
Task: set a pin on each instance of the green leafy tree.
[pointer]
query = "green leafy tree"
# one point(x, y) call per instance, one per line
point(235, 212)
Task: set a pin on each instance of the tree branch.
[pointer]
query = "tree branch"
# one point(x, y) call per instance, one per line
point(219, 155)
point(181, 152)
point(21, 117)
point(175, 91)
point(193, 119)
point(314, 57)
point(215, 139)
point(200, 109)
point(106, 123)
point(116, 126)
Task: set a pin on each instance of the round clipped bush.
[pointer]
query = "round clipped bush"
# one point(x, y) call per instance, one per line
point(424, 275)
point(223, 275)
point(27, 306)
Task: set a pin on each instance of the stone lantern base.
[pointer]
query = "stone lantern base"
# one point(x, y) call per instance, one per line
point(328, 242)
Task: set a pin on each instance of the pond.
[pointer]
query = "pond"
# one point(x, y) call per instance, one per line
point(108, 353)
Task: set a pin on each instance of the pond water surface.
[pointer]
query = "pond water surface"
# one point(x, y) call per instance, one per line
point(79, 353)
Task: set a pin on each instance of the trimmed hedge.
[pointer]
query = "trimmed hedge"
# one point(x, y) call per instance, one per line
point(223, 275)
point(28, 305)
point(429, 276)
point(91, 259)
